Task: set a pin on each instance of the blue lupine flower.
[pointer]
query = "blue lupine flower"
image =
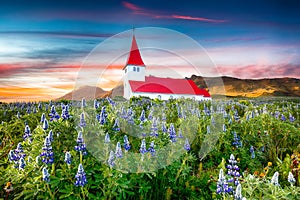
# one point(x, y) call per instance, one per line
point(45, 124)
point(238, 193)
point(180, 134)
point(150, 116)
point(172, 133)
point(116, 126)
point(187, 145)
point(274, 179)
point(68, 158)
point(111, 159)
point(291, 118)
point(80, 177)
point(236, 140)
point(96, 104)
point(252, 152)
point(164, 127)
point(22, 164)
point(143, 117)
point(27, 134)
point(283, 118)
point(222, 185)
point(119, 153)
point(43, 118)
point(233, 170)
point(53, 114)
point(16, 155)
point(224, 128)
point(103, 115)
point(107, 138)
point(50, 135)
point(65, 112)
point(34, 110)
point(82, 122)
point(83, 103)
point(80, 147)
point(126, 143)
point(143, 149)
point(47, 155)
point(154, 128)
point(46, 175)
point(40, 106)
point(291, 178)
point(151, 148)
point(18, 115)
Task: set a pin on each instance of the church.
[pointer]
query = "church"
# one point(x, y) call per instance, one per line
point(137, 84)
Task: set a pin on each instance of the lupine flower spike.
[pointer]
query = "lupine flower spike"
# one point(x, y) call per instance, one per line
point(80, 177)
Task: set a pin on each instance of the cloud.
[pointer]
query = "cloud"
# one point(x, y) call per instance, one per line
point(141, 11)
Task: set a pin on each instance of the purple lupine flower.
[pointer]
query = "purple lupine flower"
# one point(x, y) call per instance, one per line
point(103, 115)
point(107, 138)
point(291, 178)
point(224, 128)
point(233, 170)
point(22, 164)
point(252, 152)
point(172, 133)
point(46, 175)
point(291, 118)
point(143, 117)
point(236, 140)
point(96, 104)
point(27, 134)
point(80, 177)
point(151, 148)
point(111, 159)
point(43, 118)
point(118, 153)
point(83, 103)
point(82, 122)
point(116, 126)
point(222, 185)
point(40, 106)
point(45, 124)
point(180, 133)
point(53, 114)
point(143, 149)
point(283, 118)
point(187, 145)
point(164, 127)
point(238, 193)
point(274, 179)
point(154, 128)
point(68, 158)
point(150, 116)
point(50, 135)
point(80, 147)
point(47, 155)
point(65, 112)
point(126, 143)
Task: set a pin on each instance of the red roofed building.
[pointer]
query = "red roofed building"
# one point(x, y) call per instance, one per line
point(137, 84)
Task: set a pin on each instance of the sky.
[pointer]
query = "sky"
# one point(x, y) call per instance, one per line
point(44, 44)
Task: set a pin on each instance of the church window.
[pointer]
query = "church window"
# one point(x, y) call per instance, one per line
point(134, 69)
point(138, 69)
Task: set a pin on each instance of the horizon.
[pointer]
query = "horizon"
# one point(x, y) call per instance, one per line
point(43, 45)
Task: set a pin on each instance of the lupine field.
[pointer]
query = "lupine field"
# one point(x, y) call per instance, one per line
point(150, 149)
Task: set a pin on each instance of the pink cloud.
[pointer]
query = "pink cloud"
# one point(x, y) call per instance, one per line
point(140, 11)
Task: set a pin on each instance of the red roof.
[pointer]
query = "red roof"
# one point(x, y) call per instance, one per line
point(134, 57)
point(167, 86)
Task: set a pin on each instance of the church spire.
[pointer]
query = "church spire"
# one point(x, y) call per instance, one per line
point(134, 57)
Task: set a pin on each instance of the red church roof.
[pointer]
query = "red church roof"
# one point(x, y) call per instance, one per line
point(167, 86)
point(134, 57)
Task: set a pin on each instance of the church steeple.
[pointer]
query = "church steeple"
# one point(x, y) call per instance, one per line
point(134, 57)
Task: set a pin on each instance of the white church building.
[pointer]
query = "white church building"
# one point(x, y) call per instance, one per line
point(137, 84)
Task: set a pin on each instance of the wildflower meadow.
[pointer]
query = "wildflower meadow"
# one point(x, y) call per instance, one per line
point(150, 149)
